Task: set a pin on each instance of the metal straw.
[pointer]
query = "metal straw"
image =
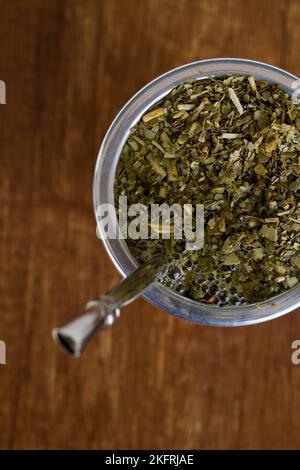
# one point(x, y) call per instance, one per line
point(101, 313)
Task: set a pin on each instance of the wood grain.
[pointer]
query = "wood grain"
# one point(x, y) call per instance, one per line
point(153, 381)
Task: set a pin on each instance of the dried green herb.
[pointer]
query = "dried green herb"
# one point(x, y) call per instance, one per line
point(233, 144)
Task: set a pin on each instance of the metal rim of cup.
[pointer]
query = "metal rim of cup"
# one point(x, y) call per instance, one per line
point(103, 180)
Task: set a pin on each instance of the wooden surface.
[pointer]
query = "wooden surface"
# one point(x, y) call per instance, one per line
point(152, 381)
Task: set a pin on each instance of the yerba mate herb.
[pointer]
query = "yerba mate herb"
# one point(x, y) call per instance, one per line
point(233, 144)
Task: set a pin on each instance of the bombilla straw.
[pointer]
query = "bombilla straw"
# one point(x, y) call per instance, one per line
point(101, 313)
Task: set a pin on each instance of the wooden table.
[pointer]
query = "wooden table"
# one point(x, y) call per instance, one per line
point(152, 381)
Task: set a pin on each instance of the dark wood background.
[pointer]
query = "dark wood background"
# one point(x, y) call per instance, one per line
point(152, 381)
